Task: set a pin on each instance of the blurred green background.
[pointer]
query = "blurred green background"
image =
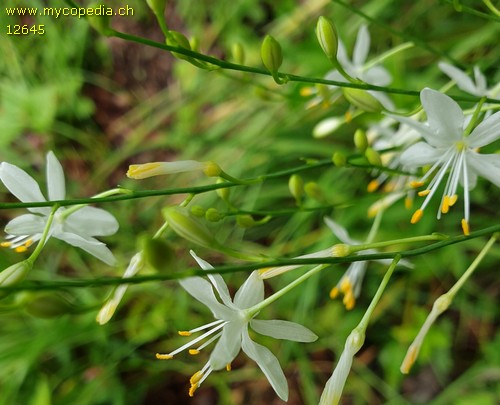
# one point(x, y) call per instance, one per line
point(102, 103)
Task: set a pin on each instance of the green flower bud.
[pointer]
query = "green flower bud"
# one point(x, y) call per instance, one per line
point(212, 215)
point(197, 211)
point(100, 21)
point(194, 42)
point(157, 253)
point(180, 41)
point(360, 140)
point(339, 159)
point(188, 227)
point(362, 99)
point(16, 273)
point(47, 305)
point(271, 54)
point(296, 187)
point(212, 169)
point(245, 221)
point(157, 6)
point(238, 53)
point(327, 37)
point(223, 193)
point(373, 157)
point(314, 191)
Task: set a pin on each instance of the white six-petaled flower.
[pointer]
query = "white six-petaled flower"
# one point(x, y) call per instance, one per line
point(77, 229)
point(233, 317)
point(447, 147)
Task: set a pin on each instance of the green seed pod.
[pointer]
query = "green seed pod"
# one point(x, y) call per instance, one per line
point(360, 140)
point(271, 54)
point(296, 187)
point(245, 221)
point(212, 215)
point(157, 252)
point(197, 211)
point(339, 159)
point(327, 37)
point(373, 157)
point(187, 227)
point(362, 99)
point(47, 305)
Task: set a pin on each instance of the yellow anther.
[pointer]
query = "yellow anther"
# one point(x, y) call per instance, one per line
point(409, 359)
point(143, 170)
point(334, 292)
point(196, 377)
point(164, 356)
point(192, 390)
point(184, 333)
point(416, 184)
point(228, 367)
point(452, 200)
point(465, 227)
point(423, 193)
point(28, 243)
point(212, 169)
point(389, 187)
point(265, 270)
point(408, 203)
point(445, 207)
point(348, 117)
point(306, 91)
point(417, 215)
point(349, 301)
point(372, 186)
point(21, 249)
point(6, 244)
point(194, 352)
point(346, 286)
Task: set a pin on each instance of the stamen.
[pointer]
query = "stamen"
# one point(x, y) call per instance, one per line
point(417, 215)
point(192, 390)
point(423, 193)
point(334, 292)
point(348, 117)
point(452, 200)
point(372, 186)
point(196, 377)
point(193, 352)
point(465, 227)
point(445, 206)
point(228, 367)
point(21, 249)
point(306, 91)
point(164, 356)
point(184, 333)
point(6, 244)
point(345, 285)
point(416, 184)
point(408, 203)
point(349, 301)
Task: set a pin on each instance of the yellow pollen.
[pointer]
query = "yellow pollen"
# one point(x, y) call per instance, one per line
point(409, 359)
point(228, 366)
point(465, 227)
point(184, 333)
point(192, 390)
point(452, 200)
point(164, 356)
point(21, 249)
point(196, 377)
point(372, 186)
point(137, 171)
point(417, 215)
point(445, 207)
point(6, 244)
point(348, 117)
point(423, 193)
point(194, 352)
point(334, 292)
point(408, 203)
point(416, 184)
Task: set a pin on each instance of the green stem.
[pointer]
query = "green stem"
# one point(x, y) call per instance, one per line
point(387, 54)
point(45, 235)
point(104, 194)
point(473, 121)
point(376, 245)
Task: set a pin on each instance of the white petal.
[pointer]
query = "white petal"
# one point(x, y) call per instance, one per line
point(327, 126)
point(361, 47)
point(251, 292)
point(202, 290)
point(486, 132)
point(419, 155)
point(279, 329)
point(339, 231)
point(27, 224)
point(22, 185)
point(335, 384)
point(444, 116)
point(463, 81)
point(55, 178)
point(228, 346)
point(480, 82)
point(90, 245)
point(93, 222)
point(268, 363)
point(378, 76)
point(216, 280)
point(383, 98)
point(421, 128)
point(343, 59)
point(487, 166)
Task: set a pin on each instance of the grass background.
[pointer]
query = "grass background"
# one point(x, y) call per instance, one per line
point(103, 103)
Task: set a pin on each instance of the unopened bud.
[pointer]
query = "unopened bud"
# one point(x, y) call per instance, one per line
point(197, 211)
point(212, 215)
point(373, 157)
point(296, 187)
point(339, 159)
point(223, 193)
point(245, 221)
point(238, 53)
point(341, 250)
point(157, 6)
point(212, 169)
point(327, 126)
point(178, 40)
point(360, 140)
point(362, 99)
point(314, 191)
point(47, 305)
point(188, 227)
point(271, 54)
point(16, 273)
point(327, 37)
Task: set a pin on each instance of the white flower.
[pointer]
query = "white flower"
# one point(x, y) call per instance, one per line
point(351, 281)
point(447, 147)
point(78, 229)
point(233, 316)
point(465, 83)
point(145, 170)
